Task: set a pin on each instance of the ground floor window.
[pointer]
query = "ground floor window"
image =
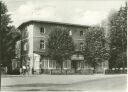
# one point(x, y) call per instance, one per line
point(48, 64)
point(82, 65)
point(67, 64)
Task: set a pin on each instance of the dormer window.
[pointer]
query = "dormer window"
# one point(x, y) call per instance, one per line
point(81, 33)
point(42, 31)
point(70, 32)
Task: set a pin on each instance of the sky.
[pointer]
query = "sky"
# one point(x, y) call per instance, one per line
point(83, 12)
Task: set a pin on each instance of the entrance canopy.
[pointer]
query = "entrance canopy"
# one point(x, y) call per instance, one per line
point(77, 57)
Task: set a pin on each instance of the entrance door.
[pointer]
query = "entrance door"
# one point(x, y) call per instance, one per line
point(74, 65)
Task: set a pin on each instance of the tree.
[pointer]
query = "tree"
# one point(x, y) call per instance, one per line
point(60, 45)
point(8, 37)
point(95, 49)
point(118, 38)
point(5, 20)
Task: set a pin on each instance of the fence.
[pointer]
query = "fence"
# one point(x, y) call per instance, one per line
point(66, 71)
point(116, 71)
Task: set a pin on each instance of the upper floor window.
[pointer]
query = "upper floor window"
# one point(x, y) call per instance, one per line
point(42, 44)
point(26, 47)
point(81, 46)
point(81, 33)
point(25, 33)
point(70, 32)
point(42, 31)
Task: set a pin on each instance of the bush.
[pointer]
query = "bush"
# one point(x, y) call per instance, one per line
point(16, 71)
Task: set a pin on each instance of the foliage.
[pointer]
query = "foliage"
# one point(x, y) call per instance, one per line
point(60, 45)
point(118, 38)
point(95, 50)
point(8, 36)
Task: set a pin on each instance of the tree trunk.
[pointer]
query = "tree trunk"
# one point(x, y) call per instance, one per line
point(94, 65)
point(61, 67)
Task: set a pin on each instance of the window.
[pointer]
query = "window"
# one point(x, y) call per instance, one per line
point(26, 32)
point(82, 63)
point(46, 64)
point(42, 63)
point(81, 46)
point(42, 44)
point(66, 64)
point(54, 63)
point(26, 46)
point(78, 64)
point(70, 32)
point(81, 33)
point(42, 30)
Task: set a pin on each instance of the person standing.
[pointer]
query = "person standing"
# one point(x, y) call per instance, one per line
point(21, 71)
point(28, 69)
point(24, 70)
point(6, 70)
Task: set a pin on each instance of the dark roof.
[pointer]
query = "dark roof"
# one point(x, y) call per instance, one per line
point(49, 22)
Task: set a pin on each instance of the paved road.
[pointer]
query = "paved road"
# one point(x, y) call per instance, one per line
point(65, 83)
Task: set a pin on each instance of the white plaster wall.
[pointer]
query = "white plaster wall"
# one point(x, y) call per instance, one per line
point(36, 62)
point(30, 40)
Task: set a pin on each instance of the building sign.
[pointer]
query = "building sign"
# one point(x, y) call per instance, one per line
point(77, 57)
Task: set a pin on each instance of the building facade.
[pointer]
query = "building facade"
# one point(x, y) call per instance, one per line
point(33, 48)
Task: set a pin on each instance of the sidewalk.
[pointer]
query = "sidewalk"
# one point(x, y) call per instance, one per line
point(9, 76)
point(52, 79)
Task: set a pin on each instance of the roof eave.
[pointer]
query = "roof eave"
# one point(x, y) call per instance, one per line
point(49, 22)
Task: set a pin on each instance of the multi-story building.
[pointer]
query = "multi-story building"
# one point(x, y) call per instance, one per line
point(33, 46)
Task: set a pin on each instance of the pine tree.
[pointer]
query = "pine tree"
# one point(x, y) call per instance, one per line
point(118, 38)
